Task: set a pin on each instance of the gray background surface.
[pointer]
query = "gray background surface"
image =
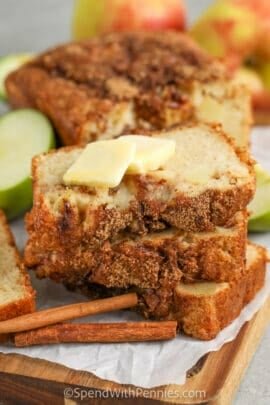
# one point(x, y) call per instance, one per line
point(34, 25)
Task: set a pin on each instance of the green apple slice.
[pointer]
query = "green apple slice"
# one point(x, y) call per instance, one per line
point(260, 205)
point(23, 134)
point(7, 65)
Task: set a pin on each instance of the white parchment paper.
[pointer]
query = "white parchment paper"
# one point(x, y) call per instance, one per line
point(142, 364)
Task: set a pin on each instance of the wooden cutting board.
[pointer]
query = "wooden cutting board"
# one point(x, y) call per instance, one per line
point(213, 380)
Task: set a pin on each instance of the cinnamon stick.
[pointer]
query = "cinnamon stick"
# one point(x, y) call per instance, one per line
point(98, 332)
point(59, 314)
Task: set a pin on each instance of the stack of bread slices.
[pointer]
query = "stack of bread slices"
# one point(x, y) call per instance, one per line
point(177, 236)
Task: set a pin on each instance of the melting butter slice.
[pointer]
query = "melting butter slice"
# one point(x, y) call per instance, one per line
point(101, 164)
point(104, 163)
point(151, 153)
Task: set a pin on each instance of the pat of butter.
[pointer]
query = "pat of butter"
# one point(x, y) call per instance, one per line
point(101, 164)
point(151, 153)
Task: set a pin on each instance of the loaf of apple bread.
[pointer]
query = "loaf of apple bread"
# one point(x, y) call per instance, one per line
point(114, 84)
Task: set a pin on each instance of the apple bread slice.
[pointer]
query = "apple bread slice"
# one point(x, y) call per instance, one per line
point(204, 185)
point(145, 262)
point(201, 308)
point(204, 309)
point(16, 294)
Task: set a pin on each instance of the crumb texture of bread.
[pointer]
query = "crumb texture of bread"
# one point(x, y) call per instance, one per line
point(16, 294)
point(203, 186)
point(104, 87)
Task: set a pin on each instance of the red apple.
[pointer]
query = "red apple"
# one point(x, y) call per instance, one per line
point(227, 30)
point(260, 8)
point(93, 17)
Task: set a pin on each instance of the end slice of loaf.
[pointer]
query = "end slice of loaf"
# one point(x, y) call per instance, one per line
point(16, 294)
point(203, 186)
point(204, 309)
